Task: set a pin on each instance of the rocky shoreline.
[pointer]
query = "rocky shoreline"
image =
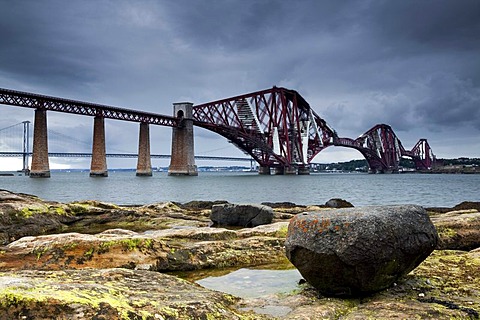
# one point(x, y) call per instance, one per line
point(94, 260)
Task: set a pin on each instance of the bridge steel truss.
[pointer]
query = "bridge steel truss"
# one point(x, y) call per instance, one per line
point(383, 150)
point(42, 102)
point(277, 127)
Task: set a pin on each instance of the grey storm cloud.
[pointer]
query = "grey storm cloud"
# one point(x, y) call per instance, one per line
point(411, 64)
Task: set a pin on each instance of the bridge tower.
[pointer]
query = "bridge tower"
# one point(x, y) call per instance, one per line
point(40, 165)
point(26, 146)
point(98, 166)
point(182, 161)
point(144, 162)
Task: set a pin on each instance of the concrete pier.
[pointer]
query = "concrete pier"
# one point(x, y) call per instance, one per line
point(182, 161)
point(290, 170)
point(98, 167)
point(144, 162)
point(304, 170)
point(279, 170)
point(40, 166)
point(264, 170)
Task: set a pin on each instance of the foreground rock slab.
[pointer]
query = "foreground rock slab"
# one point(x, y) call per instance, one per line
point(108, 294)
point(458, 229)
point(358, 251)
point(160, 250)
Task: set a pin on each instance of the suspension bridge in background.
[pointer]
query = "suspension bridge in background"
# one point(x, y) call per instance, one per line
point(276, 127)
point(15, 141)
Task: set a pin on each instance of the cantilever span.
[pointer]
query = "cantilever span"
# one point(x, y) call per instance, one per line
point(382, 149)
point(276, 127)
point(280, 130)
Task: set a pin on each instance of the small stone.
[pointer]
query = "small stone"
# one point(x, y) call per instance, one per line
point(338, 203)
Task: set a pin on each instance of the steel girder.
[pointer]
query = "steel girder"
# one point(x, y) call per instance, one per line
point(36, 101)
point(277, 127)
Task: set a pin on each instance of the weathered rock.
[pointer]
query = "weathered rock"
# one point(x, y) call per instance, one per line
point(168, 236)
point(244, 215)
point(161, 250)
point(200, 205)
point(357, 251)
point(25, 215)
point(109, 294)
point(338, 203)
point(458, 230)
point(282, 205)
point(446, 285)
point(465, 205)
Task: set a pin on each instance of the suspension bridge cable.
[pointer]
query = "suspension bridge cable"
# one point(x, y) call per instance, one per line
point(11, 137)
point(13, 125)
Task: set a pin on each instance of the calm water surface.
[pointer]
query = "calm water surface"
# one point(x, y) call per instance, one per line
point(239, 187)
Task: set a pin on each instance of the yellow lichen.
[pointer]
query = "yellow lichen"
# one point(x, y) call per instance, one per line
point(282, 232)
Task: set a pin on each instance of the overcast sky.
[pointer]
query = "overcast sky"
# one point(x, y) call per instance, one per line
point(412, 64)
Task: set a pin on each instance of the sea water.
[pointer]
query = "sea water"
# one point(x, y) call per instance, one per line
point(249, 187)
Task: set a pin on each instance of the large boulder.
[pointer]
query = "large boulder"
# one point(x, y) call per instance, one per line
point(358, 251)
point(243, 215)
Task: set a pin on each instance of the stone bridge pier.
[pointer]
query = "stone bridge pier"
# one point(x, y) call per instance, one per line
point(98, 166)
point(182, 161)
point(144, 162)
point(40, 166)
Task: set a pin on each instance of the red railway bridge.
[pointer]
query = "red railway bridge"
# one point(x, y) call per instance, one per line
point(276, 127)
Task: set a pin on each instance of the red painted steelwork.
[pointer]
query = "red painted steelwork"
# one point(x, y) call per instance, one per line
point(383, 150)
point(277, 127)
point(422, 155)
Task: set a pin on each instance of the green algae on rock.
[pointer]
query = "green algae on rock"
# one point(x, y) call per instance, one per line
point(161, 250)
point(169, 236)
point(109, 294)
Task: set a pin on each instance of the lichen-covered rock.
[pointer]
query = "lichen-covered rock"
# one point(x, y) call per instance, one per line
point(160, 250)
point(458, 230)
point(109, 294)
point(243, 215)
point(23, 215)
point(357, 251)
point(26, 215)
point(201, 205)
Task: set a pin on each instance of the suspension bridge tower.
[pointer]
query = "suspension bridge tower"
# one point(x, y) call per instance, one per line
point(26, 147)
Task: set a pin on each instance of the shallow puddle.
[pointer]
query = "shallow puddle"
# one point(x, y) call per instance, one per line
point(253, 283)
